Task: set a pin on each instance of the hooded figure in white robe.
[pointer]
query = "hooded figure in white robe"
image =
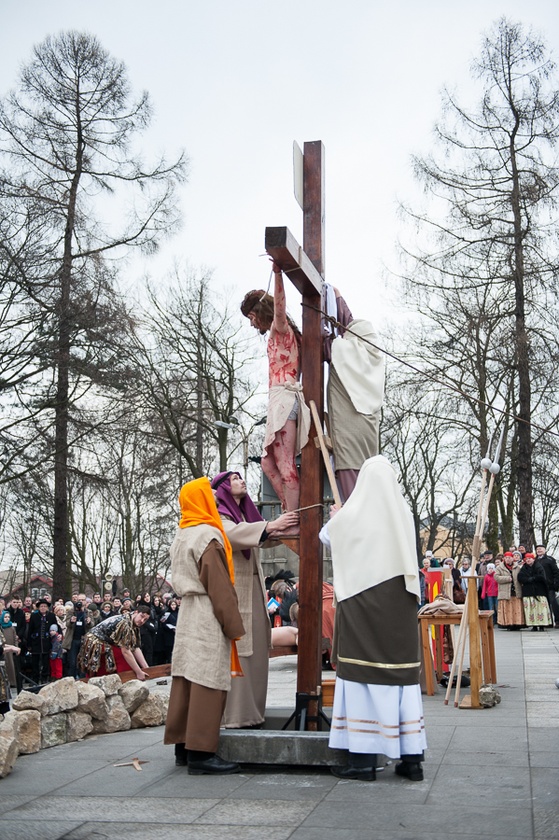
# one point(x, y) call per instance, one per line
point(377, 702)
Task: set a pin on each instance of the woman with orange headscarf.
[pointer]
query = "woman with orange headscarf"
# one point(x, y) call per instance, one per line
point(209, 622)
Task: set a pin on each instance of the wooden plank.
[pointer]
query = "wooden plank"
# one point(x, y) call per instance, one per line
point(284, 249)
point(151, 673)
point(472, 609)
point(314, 196)
point(328, 687)
point(284, 650)
point(325, 457)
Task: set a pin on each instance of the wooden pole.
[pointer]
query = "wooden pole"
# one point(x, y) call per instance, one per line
point(325, 455)
point(459, 645)
point(464, 625)
point(309, 660)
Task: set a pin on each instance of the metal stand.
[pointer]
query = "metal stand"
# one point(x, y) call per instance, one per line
point(301, 713)
point(31, 685)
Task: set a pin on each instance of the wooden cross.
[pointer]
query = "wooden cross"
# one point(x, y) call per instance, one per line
point(135, 763)
point(305, 268)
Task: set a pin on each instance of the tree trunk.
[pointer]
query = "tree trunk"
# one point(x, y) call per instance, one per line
point(524, 434)
point(61, 525)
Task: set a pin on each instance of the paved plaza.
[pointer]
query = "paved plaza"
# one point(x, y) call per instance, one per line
point(489, 773)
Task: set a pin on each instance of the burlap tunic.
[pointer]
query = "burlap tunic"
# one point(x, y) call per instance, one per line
point(353, 429)
point(354, 435)
point(205, 626)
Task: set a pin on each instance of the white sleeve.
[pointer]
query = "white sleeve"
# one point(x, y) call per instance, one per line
point(324, 536)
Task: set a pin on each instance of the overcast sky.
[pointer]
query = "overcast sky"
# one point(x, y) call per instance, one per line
point(235, 82)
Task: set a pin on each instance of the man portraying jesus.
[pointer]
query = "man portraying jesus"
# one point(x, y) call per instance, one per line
point(288, 420)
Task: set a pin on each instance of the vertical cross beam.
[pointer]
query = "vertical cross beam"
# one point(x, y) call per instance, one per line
point(309, 665)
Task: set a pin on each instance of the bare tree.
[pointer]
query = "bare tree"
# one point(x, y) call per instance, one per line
point(121, 514)
point(420, 437)
point(66, 145)
point(195, 373)
point(486, 271)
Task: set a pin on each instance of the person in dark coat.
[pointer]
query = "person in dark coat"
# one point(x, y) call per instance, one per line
point(549, 565)
point(168, 623)
point(159, 643)
point(534, 594)
point(39, 642)
point(18, 617)
point(149, 629)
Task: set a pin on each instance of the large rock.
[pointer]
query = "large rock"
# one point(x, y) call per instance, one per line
point(109, 684)
point(133, 694)
point(488, 696)
point(152, 712)
point(8, 747)
point(117, 720)
point(80, 724)
point(91, 699)
point(28, 700)
point(27, 730)
point(54, 730)
point(60, 696)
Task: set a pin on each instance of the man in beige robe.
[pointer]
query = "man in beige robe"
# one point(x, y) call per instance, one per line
point(204, 654)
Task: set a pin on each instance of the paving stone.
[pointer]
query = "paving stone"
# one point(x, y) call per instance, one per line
point(288, 786)
point(508, 822)
point(416, 833)
point(8, 803)
point(169, 831)
point(546, 824)
point(178, 783)
point(257, 812)
point(478, 783)
point(14, 830)
point(113, 809)
point(492, 758)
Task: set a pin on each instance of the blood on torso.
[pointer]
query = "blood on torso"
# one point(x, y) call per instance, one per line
point(283, 357)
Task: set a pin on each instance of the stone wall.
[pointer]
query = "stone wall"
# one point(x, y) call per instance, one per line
point(69, 710)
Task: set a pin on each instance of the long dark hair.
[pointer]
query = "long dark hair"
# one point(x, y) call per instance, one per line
point(262, 304)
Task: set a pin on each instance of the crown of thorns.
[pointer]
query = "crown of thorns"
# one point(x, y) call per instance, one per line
point(251, 299)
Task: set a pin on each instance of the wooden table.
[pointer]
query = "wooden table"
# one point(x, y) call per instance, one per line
point(487, 645)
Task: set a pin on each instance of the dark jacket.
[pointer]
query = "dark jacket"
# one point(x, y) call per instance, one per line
point(169, 623)
point(18, 619)
point(533, 580)
point(38, 636)
point(551, 571)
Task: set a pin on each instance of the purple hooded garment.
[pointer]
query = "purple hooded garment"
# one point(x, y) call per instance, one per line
point(246, 511)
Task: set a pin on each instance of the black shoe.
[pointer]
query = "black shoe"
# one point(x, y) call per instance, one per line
point(181, 755)
point(360, 774)
point(413, 772)
point(214, 765)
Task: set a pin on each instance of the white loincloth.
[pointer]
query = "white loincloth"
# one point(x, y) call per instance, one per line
point(384, 719)
point(281, 399)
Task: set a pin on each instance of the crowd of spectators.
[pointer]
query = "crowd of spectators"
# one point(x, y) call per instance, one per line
point(49, 635)
point(520, 586)
point(283, 610)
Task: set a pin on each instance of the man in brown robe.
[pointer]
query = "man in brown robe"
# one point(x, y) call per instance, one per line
point(204, 654)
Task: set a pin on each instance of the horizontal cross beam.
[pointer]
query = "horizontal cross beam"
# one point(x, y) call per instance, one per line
point(284, 249)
